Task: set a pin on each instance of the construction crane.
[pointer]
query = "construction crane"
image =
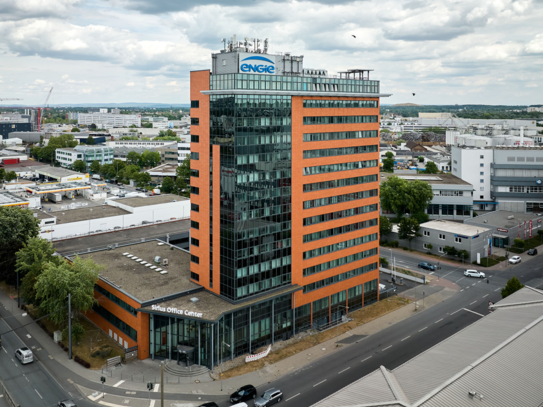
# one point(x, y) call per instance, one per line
point(40, 109)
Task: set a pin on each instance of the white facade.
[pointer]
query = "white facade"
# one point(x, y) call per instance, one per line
point(140, 143)
point(108, 120)
point(535, 109)
point(473, 166)
point(183, 151)
point(67, 156)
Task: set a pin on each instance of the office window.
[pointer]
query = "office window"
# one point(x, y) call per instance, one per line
point(482, 181)
point(195, 104)
point(195, 156)
point(195, 173)
point(426, 233)
point(195, 190)
point(194, 139)
point(194, 224)
point(481, 157)
point(195, 242)
point(195, 207)
point(425, 245)
point(481, 197)
point(194, 259)
point(194, 121)
point(482, 188)
point(442, 236)
point(194, 276)
point(481, 165)
point(458, 240)
point(447, 210)
point(481, 173)
point(440, 249)
point(433, 209)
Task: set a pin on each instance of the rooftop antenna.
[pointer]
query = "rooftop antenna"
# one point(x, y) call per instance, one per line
point(224, 41)
point(266, 46)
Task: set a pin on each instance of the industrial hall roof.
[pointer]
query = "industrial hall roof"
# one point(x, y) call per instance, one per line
point(494, 362)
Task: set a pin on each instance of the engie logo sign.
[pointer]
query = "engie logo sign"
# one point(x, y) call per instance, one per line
point(257, 64)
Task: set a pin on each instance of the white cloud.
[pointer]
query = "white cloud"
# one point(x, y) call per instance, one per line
point(65, 76)
point(39, 81)
point(130, 84)
point(535, 46)
point(26, 9)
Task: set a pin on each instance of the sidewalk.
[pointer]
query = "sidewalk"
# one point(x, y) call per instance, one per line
point(136, 374)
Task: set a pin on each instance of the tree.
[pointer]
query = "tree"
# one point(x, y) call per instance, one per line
point(31, 261)
point(401, 196)
point(408, 228)
point(388, 162)
point(10, 176)
point(79, 166)
point(383, 261)
point(167, 185)
point(17, 227)
point(519, 243)
point(385, 227)
point(92, 126)
point(57, 281)
point(76, 130)
point(431, 168)
point(149, 159)
point(463, 254)
point(182, 182)
point(65, 140)
point(450, 250)
point(107, 171)
point(95, 167)
point(421, 159)
point(2, 174)
point(90, 141)
point(512, 285)
point(143, 178)
point(133, 158)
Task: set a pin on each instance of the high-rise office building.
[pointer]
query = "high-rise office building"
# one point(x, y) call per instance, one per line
point(284, 185)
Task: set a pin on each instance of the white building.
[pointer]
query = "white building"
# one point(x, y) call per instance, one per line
point(140, 143)
point(67, 156)
point(108, 120)
point(161, 122)
point(535, 109)
point(183, 151)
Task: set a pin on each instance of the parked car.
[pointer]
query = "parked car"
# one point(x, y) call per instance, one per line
point(24, 355)
point(210, 404)
point(532, 252)
point(427, 266)
point(246, 392)
point(474, 273)
point(66, 403)
point(514, 260)
point(269, 398)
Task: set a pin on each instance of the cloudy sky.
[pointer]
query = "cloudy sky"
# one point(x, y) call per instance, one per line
point(114, 51)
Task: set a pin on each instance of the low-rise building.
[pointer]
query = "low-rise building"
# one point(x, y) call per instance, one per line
point(67, 156)
point(109, 120)
point(453, 197)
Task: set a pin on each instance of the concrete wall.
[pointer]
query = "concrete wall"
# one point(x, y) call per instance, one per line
point(466, 164)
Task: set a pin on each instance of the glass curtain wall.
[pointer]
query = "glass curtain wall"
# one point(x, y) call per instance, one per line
point(254, 134)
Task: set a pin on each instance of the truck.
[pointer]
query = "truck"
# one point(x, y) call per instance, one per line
point(54, 197)
point(96, 176)
point(156, 191)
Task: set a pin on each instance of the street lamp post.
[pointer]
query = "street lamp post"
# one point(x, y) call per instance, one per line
point(222, 361)
point(337, 325)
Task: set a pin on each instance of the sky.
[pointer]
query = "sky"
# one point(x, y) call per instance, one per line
point(115, 51)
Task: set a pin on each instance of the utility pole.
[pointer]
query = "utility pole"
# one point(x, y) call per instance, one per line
point(162, 384)
point(69, 326)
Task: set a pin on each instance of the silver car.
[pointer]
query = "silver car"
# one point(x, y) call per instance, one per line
point(269, 398)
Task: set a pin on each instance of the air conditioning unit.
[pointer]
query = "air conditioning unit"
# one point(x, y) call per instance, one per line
point(164, 262)
point(158, 259)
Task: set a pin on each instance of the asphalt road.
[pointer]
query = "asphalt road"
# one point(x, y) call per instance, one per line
point(390, 347)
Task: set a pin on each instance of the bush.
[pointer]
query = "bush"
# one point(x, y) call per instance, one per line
point(394, 243)
point(475, 214)
point(405, 248)
point(429, 247)
point(519, 243)
point(383, 261)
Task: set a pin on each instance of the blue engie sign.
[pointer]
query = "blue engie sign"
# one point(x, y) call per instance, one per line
point(257, 64)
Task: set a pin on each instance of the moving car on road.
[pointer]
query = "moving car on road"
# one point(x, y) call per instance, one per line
point(474, 273)
point(514, 260)
point(532, 252)
point(24, 355)
point(66, 403)
point(243, 393)
point(427, 266)
point(269, 398)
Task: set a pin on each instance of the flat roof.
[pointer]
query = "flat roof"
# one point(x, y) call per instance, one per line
point(23, 165)
point(500, 219)
point(42, 214)
point(142, 282)
point(57, 172)
point(433, 179)
point(96, 212)
point(8, 198)
point(210, 306)
point(57, 187)
point(151, 200)
point(454, 227)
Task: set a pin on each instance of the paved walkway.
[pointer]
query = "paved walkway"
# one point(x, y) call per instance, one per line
point(135, 375)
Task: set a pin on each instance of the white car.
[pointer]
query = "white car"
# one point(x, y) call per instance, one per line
point(24, 355)
point(514, 260)
point(474, 273)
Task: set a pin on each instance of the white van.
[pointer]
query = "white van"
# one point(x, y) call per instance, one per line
point(24, 355)
point(240, 405)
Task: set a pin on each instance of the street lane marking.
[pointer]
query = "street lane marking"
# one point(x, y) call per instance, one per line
point(387, 348)
point(94, 398)
point(431, 273)
point(497, 289)
point(105, 403)
point(439, 320)
point(485, 296)
point(407, 337)
point(118, 384)
point(39, 394)
point(423, 329)
point(344, 370)
point(28, 336)
point(476, 313)
point(461, 290)
point(474, 284)
point(366, 359)
point(4, 350)
point(152, 403)
point(473, 302)
point(319, 383)
point(456, 311)
point(157, 387)
point(293, 397)
point(460, 279)
point(26, 379)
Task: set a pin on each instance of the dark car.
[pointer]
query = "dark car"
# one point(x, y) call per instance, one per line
point(243, 393)
point(532, 252)
point(210, 404)
point(270, 397)
point(426, 266)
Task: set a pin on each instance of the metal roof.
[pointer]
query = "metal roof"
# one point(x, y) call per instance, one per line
point(497, 358)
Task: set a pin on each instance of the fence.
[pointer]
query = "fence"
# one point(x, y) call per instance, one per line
point(252, 358)
point(405, 276)
point(7, 396)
